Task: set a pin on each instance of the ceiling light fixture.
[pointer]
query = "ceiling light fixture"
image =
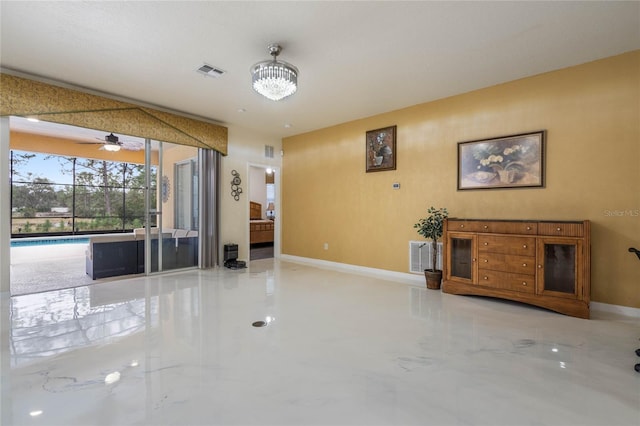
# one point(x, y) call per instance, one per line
point(112, 147)
point(274, 79)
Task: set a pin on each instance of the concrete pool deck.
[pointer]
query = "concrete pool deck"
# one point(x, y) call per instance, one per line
point(39, 268)
point(35, 269)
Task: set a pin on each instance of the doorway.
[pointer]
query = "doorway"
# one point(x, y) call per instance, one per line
point(263, 212)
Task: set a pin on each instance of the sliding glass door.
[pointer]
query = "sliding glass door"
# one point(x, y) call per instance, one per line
point(172, 239)
point(186, 192)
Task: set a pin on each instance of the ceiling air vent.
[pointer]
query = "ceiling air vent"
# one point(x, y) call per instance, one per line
point(209, 71)
point(268, 151)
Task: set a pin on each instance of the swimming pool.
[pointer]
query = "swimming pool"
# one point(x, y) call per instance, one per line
point(28, 242)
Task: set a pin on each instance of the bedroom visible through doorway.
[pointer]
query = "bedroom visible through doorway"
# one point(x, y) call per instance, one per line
point(262, 212)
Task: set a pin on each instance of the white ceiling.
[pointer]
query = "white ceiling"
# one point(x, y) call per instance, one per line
point(356, 59)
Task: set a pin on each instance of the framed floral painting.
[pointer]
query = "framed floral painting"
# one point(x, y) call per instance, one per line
point(515, 161)
point(381, 149)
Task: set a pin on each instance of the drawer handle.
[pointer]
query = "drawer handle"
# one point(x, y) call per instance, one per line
point(539, 266)
point(486, 278)
point(486, 244)
point(558, 229)
point(528, 228)
point(473, 260)
point(486, 227)
point(524, 246)
point(486, 261)
point(524, 264)
point(461, 226)
point(524, 283)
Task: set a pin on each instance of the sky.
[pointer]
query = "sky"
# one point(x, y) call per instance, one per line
point(41, 167)
point(45, 166)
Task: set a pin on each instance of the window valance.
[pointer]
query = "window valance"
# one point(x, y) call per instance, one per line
point(29, 98)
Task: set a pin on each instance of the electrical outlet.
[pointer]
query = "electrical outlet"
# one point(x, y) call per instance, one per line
point(326, 246)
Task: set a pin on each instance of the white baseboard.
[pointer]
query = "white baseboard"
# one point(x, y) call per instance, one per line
point(402, 277)
point(627, 311)
point(414, 279)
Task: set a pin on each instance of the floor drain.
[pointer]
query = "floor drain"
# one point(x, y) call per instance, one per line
point(259, 324)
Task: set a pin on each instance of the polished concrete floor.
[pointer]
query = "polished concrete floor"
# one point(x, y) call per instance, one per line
point(337, 349)
point(261, 251)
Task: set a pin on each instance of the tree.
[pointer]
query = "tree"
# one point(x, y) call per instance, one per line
point(103, 175)
point(20, 159)
point(36, 196)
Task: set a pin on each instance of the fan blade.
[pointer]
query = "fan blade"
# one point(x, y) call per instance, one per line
point(112, 139)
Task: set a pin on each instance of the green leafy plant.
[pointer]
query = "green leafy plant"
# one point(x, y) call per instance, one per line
point(431, 227)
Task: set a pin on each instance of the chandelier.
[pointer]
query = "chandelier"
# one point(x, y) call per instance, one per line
point(274, 79)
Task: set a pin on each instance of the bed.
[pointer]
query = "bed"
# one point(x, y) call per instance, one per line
point(260, 230)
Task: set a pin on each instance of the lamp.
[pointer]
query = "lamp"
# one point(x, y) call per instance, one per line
point(112, 147)
point(270, 208)
point(274, 79)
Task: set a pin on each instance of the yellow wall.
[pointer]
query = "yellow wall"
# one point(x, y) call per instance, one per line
point(591, 114)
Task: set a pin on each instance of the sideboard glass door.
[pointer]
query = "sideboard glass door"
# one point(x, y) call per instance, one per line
point(461, 257)
point(558, 271)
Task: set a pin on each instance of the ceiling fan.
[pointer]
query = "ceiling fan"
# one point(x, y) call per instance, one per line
point(113, 143)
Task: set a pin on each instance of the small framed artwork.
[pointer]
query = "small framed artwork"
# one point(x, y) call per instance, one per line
point(381, 149)
point(515, 161)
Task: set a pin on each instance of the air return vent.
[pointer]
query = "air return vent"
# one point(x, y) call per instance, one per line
point(210, 71)
point(268, 151)
point(420, 256)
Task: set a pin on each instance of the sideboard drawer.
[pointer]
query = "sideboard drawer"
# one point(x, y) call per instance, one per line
point(507, 281)
point(561, 229)
point(527, 228)
point(495, 227)
point(465, 225)
point(522, 246)
point(507, 263)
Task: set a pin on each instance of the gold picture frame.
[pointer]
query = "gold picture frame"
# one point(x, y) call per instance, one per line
point(515, 161)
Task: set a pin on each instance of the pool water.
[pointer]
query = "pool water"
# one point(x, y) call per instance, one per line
point(48, 241)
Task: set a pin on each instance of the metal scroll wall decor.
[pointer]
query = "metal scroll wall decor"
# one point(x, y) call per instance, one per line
point(235, 185)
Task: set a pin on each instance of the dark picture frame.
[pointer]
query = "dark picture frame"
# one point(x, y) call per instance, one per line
point(515, 161)
point(380, 149)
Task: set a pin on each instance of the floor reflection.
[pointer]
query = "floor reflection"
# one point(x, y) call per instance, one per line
point(337, 348)
point(51, 323)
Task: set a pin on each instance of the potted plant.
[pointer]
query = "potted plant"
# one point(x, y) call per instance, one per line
point(431, 227)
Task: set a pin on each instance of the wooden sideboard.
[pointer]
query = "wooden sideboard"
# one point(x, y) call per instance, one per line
point(542, 263)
